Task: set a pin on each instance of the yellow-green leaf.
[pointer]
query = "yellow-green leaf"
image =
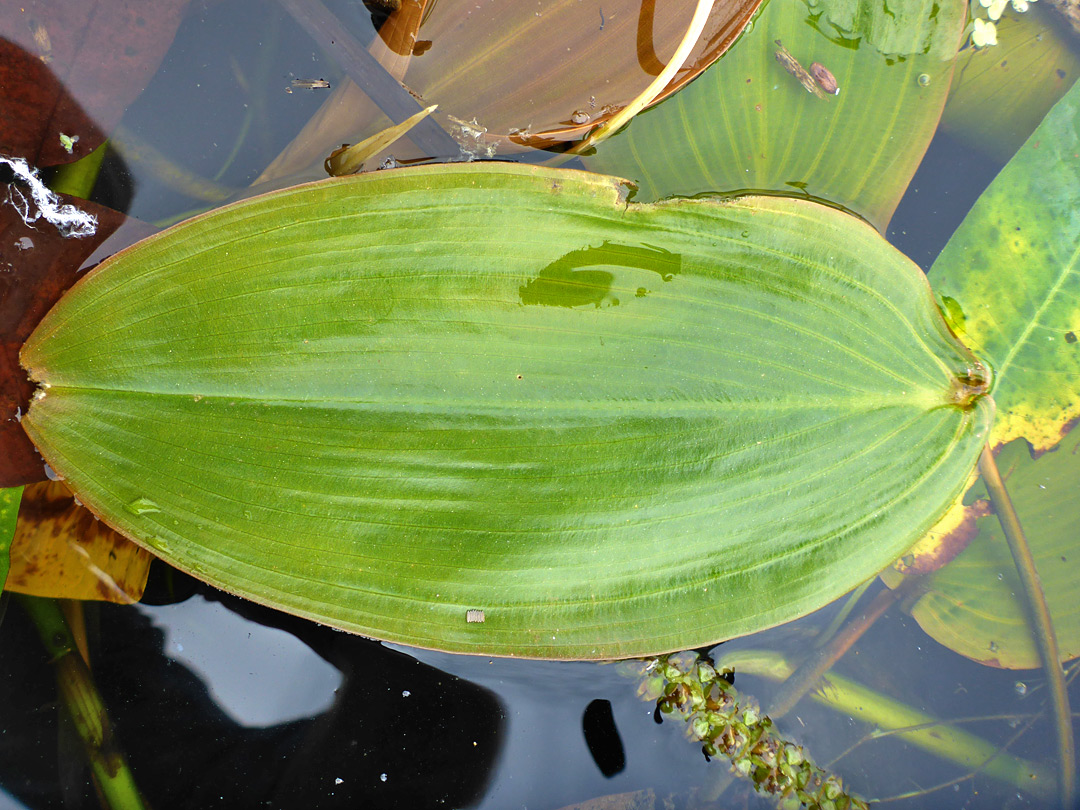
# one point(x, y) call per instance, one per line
point(1009, 281)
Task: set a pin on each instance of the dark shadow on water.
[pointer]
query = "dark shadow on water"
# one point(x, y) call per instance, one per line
point(374, 748)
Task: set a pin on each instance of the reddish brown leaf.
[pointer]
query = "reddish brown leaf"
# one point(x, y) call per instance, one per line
point(29, 92)
point(511, 75)
point(36, 266)
point(72, 67)
point(558, 68)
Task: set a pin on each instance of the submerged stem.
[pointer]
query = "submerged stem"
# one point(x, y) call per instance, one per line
point(916, 728)
point(81, 697)
point(821, 660)
point(1042, 625)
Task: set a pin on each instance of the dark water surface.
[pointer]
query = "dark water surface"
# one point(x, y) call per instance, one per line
point(222, 703)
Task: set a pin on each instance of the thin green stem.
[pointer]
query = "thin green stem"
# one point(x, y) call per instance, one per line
point(79, 694)
point(959, 779)
point(1042, 626)
point(841, 616)
point(880, 711)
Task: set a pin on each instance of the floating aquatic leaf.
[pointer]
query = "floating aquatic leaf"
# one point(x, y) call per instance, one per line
point(387, 400)
point(1009, 285)
point(747, 124)
point(1009, 281)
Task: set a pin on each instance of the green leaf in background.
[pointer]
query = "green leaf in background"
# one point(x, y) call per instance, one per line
point(748, 124)
point(498, 409)
point(1009, 281)
point(975, 606)
point(9, 513)
point(1000, 94)
point(1009, 285)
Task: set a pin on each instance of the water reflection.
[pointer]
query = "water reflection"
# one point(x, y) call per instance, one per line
point(258, 676)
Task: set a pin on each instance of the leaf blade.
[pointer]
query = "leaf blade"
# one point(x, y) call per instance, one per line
point(547, 423)
point(748, 125)
point(1011, 280)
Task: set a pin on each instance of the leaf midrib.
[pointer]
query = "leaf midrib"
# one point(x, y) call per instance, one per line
point(667, 407)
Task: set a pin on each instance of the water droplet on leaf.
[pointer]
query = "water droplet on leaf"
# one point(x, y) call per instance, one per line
point(142, 506)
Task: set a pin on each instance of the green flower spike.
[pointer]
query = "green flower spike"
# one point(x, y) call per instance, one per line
point(732, 726)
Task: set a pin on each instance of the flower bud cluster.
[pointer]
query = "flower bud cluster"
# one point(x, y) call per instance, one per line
point(728, 725)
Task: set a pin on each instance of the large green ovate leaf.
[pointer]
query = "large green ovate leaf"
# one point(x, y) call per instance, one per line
point(386, 401)
point(748, 124)
point(1010, 280)
point(975, 604)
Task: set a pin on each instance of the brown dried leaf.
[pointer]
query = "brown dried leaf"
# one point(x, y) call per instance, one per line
point(36, 266)
point(943, 543)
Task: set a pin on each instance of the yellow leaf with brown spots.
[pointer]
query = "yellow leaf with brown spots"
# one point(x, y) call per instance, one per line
point(61, 550)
